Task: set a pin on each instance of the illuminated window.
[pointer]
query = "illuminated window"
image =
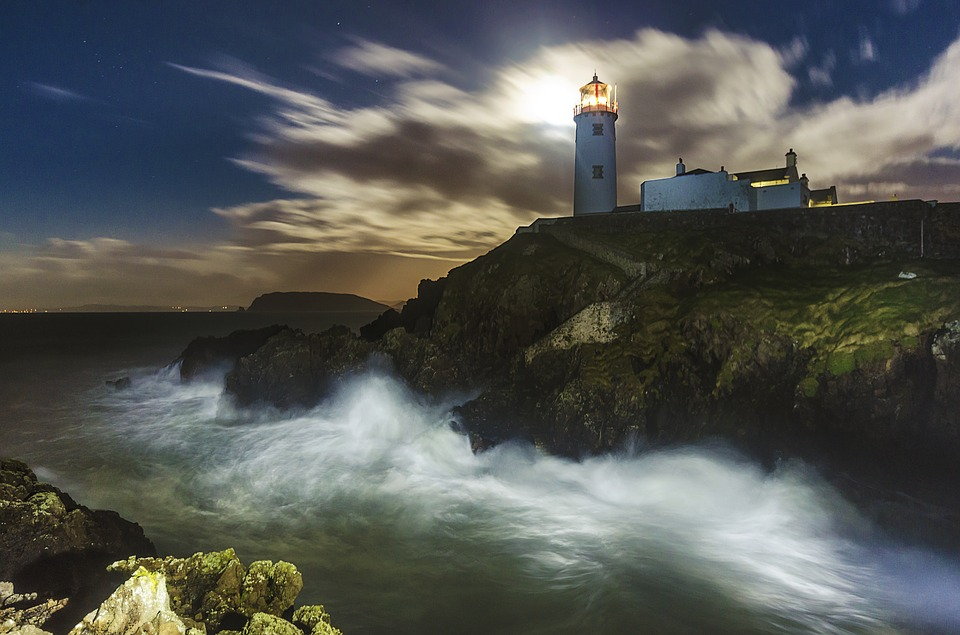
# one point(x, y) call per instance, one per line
point(598, 130)
point(770, 183)
point(598, 171)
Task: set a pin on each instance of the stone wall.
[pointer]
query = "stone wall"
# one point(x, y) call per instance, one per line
point(894, 226)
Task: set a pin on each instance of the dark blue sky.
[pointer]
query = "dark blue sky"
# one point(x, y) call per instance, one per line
point(123, 125)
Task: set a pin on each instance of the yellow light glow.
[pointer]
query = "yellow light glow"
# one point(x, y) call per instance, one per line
point(770, 183)
point(596, 96)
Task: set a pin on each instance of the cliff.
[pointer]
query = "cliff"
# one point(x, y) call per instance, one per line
point(785, 333)
point(293, 301)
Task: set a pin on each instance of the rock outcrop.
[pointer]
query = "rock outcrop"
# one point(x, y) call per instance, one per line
point(139, 605)
point(54, 547)
point(215, 589)
point(204, 594)
point(57, 553)
point(294, 369)
point(25, 613)
point(206, 353)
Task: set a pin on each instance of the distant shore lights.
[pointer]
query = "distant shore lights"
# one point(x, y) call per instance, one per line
point(595, 169)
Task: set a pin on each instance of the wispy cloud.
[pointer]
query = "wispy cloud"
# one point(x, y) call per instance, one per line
point(868, 50)
point(822, 74)
point(904, 6)
point(379, 60)
point(794, 52)
point(57, 93)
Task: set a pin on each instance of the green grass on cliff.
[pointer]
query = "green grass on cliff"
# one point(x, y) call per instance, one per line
point(844, 317)
point(849, 316)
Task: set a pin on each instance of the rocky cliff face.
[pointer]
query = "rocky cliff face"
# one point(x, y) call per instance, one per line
point(795, 335)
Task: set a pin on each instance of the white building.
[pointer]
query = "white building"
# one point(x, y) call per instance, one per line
point(595, 170)
point(774, 188)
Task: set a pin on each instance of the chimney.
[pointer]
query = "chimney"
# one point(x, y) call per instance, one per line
point(791, 159)
point(681, 168)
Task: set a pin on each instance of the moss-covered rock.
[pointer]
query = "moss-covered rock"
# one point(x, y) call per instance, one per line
point(51, 545)
point(270, 587)
point(313, 619)
point(216, 589)
point(139, 605)
point(266, 624)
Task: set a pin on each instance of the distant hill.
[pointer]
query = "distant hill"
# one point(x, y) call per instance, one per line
point(285, 302)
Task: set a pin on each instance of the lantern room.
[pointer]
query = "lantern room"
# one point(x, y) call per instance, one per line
point(596, 97)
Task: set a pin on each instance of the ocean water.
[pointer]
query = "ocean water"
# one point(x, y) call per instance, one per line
point(399, 528)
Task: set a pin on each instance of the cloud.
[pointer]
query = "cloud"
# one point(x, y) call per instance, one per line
point(794, 52)
point(436, 174)
point(868, 51)
point(904, 7)
point(822, 75)
point(64, 272)
point(379, 60)
point(436, 171)
point(57, 93)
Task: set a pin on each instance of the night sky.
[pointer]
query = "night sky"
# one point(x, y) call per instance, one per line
point(204, 152)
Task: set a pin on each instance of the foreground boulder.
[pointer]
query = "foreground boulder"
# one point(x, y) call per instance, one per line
point(215, 592)
point(25, 613)
point(139, 605)
point(52, 546)
point(53, 575)
point(216, 589)
point(204, 594)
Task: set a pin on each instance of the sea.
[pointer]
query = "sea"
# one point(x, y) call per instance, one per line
point(399, 528)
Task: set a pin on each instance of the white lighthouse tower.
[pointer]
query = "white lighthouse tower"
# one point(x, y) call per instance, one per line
point(595, 171)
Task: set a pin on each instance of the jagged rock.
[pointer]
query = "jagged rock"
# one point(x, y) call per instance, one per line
point(265, 624)
point(204, 587)
point(294, 369)
point(52, 546)
point(313, 619)
point(270, 587)
point(27, 629)
point(206, 353)
point(217, 590)
point(427, 366)
point(385, 322)
point(140, 605)
point(23, 613)
point(7, 595)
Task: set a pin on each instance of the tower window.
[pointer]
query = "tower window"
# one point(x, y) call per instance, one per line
point(598, 130)
point(598, 171)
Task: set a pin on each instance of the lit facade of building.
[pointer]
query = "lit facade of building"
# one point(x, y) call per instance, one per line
point(595, 169)
point(774, 188)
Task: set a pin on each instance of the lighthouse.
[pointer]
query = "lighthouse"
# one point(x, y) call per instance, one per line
point(595, 169)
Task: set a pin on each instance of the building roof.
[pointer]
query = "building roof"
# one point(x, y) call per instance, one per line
point(696, 171)
point(772, 174)
point(826, 195)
